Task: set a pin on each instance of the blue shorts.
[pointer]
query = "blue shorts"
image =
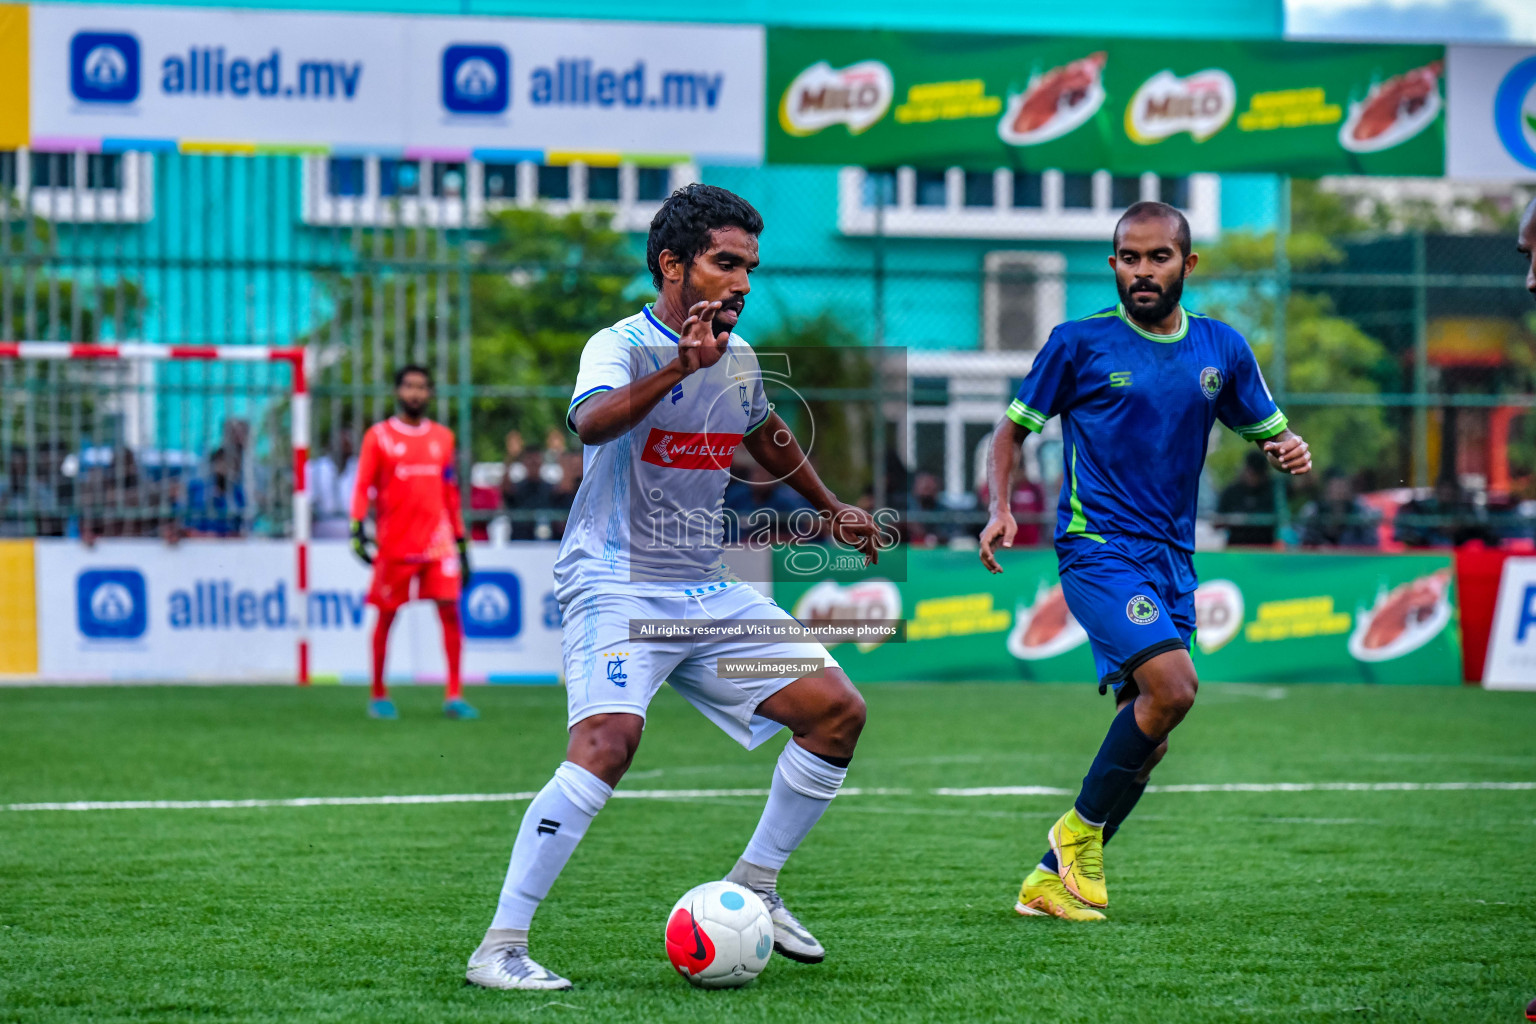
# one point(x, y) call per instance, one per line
point(1135, 599)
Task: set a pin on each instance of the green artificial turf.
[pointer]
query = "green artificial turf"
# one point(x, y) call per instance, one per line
point(1292, 906)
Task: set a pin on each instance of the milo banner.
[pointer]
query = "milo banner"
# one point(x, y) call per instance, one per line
point(882, 99)
point(1264, 617)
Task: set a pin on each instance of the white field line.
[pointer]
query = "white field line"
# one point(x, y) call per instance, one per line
point(711, 794)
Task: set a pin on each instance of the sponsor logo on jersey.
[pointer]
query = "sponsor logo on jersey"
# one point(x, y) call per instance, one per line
point(822, 96)
point(1210, 381)
point(1141, 610)
point(678, 450)
point(1120, 379)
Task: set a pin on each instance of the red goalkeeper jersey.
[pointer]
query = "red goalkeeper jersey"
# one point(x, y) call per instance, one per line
point(407, 472)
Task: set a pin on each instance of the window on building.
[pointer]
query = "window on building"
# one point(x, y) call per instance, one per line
point(880, 188)
point(1124, 189)
point(980, 188)
point(653, 184)
point(602, 184)
point(399, 177)
point(1008, 204)
point(1023, 298)
point(930, 188)
point(386, 191)
point(1028, 190)
point(345, 176)
point(449, 181)
point(500, 181)
point(1174, 192)
point(1077, 191)
point(82, 187)
point(930, 390)
point(554, 182)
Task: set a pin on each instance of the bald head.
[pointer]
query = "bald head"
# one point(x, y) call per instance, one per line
point(1152, 210)
point(1525, 243)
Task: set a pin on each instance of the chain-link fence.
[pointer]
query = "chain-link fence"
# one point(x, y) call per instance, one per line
point(1390, 317)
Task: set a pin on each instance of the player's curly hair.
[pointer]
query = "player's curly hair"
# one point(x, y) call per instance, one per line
point(688, 216)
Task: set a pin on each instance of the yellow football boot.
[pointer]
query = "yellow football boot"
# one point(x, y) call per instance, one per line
point(1080, 858)
point(1043, 895)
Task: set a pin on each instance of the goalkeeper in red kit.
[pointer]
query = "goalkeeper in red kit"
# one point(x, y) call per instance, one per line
point(406, 470)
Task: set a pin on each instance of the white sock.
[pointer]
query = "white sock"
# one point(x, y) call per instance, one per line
point(803, 786)
point(551, 828)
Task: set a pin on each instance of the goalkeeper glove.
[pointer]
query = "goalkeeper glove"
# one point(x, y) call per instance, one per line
point(464, 570)
point(361, 546)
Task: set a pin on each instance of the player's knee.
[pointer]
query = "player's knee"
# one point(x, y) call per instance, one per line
point(845, 718)
point(605, 747)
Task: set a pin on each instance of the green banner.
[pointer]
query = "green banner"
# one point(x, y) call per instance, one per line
point(1264, 617)
point(936, 100)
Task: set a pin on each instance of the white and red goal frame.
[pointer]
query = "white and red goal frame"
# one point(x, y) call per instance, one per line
point(295, 356)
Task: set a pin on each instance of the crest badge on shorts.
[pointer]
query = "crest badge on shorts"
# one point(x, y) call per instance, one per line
point(1141, 610)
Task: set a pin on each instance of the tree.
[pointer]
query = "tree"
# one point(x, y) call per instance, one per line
point(1324, 352)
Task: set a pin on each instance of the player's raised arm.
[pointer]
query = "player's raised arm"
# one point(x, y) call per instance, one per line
point(1004, 455)
point(774, 447)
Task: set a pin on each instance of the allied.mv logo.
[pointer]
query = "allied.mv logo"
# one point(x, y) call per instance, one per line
point(1210, 381)
point(104, 67)
point(493, 606)
point(110, 604)
point(476, 79)
point(1141, 610)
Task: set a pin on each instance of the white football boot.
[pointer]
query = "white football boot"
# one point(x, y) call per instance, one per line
point(512, 967)
point(790, 937)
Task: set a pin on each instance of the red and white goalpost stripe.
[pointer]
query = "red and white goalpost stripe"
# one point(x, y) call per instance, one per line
point(295, 356)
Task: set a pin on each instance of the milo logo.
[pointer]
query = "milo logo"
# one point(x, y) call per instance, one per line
point(1165, 104)
point(822, 96)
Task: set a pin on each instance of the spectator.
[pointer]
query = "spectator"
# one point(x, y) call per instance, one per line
point(1251, 495)
point(215, 505)
point(563, 492)
point(1444, 519)
point(759, 508)
point(524, 489)
point(927, 502)
point(1339, 519)
point(1027, 504)
point(330, 480)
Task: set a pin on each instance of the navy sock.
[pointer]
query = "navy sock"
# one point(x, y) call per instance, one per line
point(1120, 759)
point(1123, 809)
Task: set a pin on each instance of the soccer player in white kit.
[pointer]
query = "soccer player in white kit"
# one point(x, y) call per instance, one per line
point(662, 401)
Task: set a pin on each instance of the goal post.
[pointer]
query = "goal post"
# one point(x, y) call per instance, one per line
point(299, 361)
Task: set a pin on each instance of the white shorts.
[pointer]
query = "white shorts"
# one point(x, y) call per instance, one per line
point(608, 672)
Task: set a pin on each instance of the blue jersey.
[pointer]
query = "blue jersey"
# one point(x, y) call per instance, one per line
point(1136, 412)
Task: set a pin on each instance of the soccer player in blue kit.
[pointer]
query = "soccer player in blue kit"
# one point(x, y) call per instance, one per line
point(1138, 388)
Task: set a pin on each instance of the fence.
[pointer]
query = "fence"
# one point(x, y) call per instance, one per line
point(1391, 320)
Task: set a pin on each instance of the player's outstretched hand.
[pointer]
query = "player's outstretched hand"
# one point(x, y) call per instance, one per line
point(361, 546)
point(699, 346)
point(1000, 527)
point(1289, 454)
point(855, 528)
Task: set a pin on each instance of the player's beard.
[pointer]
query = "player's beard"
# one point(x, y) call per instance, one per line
point(1167, 299)
point(415, 410)
point(691, 296)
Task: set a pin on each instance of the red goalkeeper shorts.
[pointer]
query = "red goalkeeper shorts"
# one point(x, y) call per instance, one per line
point(395, 583)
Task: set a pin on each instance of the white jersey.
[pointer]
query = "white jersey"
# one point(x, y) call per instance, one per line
point(648, 511)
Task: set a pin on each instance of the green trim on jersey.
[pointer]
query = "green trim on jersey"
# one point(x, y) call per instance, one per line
point(1264, 429)
point(1024, 416)
point(1100, 313)
point(1079, 521)
point(1162, 339)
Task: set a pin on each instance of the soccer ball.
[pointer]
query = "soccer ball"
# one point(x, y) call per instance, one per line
point(719, 935)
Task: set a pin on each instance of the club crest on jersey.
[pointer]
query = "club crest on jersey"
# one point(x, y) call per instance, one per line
point(679, 450)
point(1210, 381)
point(741, 391)
point(616, 661)
point(1141, 610)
